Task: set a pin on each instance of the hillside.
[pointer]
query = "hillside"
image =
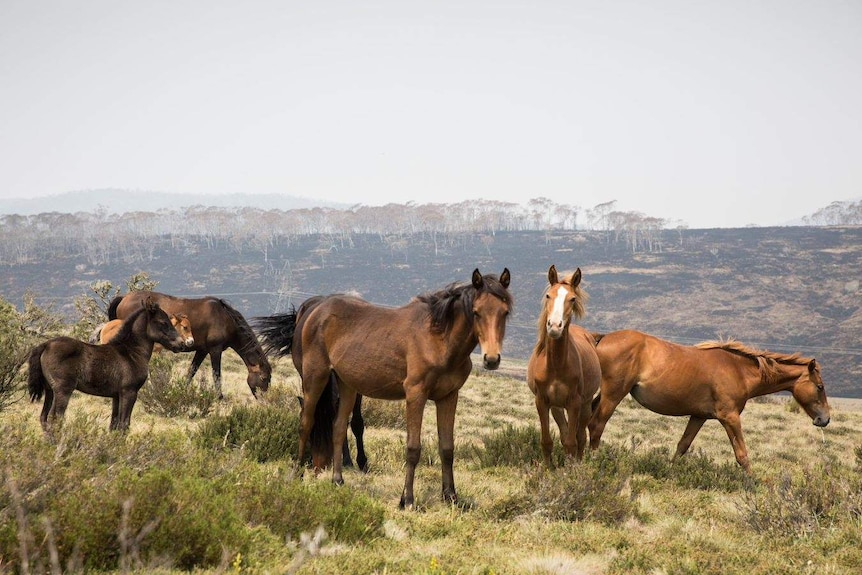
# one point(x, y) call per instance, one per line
point(793, 289)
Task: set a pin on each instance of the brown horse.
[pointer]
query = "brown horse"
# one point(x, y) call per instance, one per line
point(216, 327)
point(417, 352)
point(563, 372)
point(117, 369)
point(712, 380)
point(105, 332)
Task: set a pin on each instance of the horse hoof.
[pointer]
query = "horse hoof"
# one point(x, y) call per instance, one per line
point(405, 504)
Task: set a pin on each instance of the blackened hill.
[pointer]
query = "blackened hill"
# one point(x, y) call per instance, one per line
point(789, 289)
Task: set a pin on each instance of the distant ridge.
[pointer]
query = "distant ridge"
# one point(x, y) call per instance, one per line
point(119, 201)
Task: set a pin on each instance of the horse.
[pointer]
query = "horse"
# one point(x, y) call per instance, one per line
point(563, 371)
point(321, 443)
point(117, 369)
point(416, 352)
point(103, 333)
point(216, 327)
point(711, 380)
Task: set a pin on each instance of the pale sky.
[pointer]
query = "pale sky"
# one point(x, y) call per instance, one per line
point(717, 114)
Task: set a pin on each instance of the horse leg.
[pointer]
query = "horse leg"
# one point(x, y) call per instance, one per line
point(691, 430)
point(733, 427)
point(446, 443)
point(357, 425)
point(127, 403)
point(339, 432)
point(197, 360)
point(560, 418)
point(59, 405)
point(608, 399)
point(573, 412)
point(415, 407)
point(583, 419)
point(312, 388)
point(215, 361)
point(46, 409)
point(115, 412)
point(545, 425)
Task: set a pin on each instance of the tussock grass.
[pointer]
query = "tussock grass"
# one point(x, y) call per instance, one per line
point(223, 493)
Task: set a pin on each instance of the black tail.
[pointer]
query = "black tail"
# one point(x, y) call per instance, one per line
point(276, 332)
point(112, 308)
point(35, 378)
point(320, 439)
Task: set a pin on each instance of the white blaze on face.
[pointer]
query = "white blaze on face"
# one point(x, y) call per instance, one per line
point(556, 316)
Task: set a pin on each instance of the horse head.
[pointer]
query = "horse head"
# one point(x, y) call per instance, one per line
point(184, 327)
point(809, 392)
point(160, 328)
point(259, 376)
point(490, 311)
point(563, 299)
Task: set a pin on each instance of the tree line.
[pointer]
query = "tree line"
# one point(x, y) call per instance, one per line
point(104, 237)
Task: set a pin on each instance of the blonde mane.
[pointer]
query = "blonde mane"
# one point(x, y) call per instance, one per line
point(581, 298)
point(767, 361)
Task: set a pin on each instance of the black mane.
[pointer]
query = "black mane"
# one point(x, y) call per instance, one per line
point(442, 303)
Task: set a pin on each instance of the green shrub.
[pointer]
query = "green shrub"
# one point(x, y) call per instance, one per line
point(822, 497)
point(170, 394)
point(383, 413)
point(263, 432)
point(515, 446)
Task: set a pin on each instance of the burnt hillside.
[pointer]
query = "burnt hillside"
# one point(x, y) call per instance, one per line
point(791, 289)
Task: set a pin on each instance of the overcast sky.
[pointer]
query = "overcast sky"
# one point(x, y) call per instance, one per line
point(722, 113)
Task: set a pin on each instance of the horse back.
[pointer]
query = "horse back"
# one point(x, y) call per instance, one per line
point(210, 323)
point(93, 369)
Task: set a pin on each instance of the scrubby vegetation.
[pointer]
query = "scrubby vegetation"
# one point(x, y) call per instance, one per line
point(218, 490)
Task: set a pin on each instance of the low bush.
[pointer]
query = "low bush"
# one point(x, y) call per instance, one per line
point(264, 432)
point(515, 446)
point(170, 394)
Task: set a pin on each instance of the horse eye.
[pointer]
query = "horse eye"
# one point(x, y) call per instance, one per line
point(475, 313)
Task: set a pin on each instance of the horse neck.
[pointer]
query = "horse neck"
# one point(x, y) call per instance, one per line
point(248, 349)
point(786, 375)
point(138, 342)
point(558, 351)
point(461, 337)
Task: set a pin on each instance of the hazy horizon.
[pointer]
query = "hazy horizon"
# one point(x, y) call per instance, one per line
point(715, 115)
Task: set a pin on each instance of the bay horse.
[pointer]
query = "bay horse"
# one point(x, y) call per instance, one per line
point(711, 380)
point(563, 371)
point(216, 327)
point(416, 352)
point(103, 333)
point(117, 369)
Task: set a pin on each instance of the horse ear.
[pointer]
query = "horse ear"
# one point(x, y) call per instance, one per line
point(576, 278)
point(478, 282)
point(505, 277)
point(812, 366)
point(553, 278)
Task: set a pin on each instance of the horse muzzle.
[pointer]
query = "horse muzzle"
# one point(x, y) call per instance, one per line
point(491, 362)
point(821, 421)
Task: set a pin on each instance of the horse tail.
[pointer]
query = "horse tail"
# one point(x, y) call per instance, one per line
point(276, 332)
point(320, 439)
point(36, 381)
point(112, 307)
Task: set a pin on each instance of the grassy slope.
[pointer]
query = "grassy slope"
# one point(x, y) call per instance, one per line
point(678, 530)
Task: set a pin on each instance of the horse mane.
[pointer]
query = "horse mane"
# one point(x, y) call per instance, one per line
point(251, 343)
point(125, 333)
point(442, 303)
point(767, 361)
point(580, 309)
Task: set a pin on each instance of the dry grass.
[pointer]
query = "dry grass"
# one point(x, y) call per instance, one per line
point(675, 530)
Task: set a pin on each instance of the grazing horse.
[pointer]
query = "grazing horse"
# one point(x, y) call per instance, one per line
point(712, 380)
point(216, 327)
point(117, 369)
point(563, 371)
point(106, 331)
point(416, 352)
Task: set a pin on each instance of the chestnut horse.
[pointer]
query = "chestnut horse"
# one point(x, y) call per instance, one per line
point(416, 352)
point(216, 327)
point(712, 380)
point(106, 331)
point(563, 371)
point(117, 369)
